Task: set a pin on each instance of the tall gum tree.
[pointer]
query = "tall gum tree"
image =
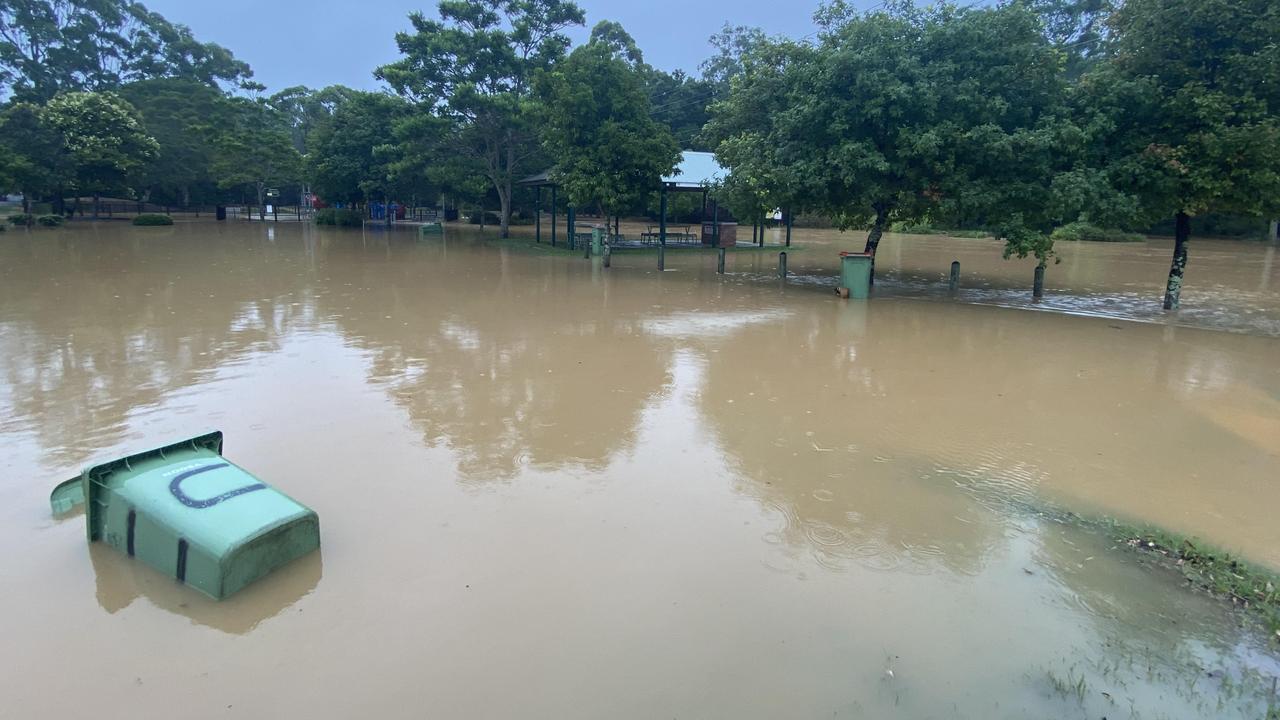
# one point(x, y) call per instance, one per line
point(475, 67)
point(52, 46)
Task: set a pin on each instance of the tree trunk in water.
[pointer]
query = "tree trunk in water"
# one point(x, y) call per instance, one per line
point(262, 208)
point(873, 239)
point(504, 196)
point(1182, 233)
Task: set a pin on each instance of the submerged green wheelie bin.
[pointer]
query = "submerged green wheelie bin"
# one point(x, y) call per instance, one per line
point(855, 274)
point(186, 511)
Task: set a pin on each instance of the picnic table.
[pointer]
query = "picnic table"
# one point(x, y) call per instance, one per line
point(653, 234)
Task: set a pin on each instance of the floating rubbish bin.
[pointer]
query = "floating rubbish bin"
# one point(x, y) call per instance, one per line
point(186, 511)
point(855, 274)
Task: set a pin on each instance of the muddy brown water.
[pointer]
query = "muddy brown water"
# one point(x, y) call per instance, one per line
point(552, 490)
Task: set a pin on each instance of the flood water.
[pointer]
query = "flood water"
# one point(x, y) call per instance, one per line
point(550, 490)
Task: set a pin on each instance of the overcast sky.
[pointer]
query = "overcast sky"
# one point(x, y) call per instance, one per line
point(325, 42)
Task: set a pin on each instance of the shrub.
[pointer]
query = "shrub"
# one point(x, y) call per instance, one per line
point(490, 218)
point(1085, 232)
point(149, 219)
point(20, 219)
point(50, 220)
point(339, 217)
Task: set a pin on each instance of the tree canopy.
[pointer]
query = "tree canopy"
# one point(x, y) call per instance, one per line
point(607, 150)
point(104, 136)
point(52, 46)
point(1189, 109)
point(899, 113)
point(475, 67)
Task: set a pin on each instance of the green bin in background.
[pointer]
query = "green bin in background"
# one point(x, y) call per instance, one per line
point(186, 511)
point(855, 274)
point(597, 240)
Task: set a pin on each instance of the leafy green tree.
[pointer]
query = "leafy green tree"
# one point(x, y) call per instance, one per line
point(1190, 101)
point(903, 113)
point(256, 150)
point(38, 162)
point(608, 152)
point(188, 120)
point(352, 152)
point(475, 66)
point(52, 46)
point(104, 137)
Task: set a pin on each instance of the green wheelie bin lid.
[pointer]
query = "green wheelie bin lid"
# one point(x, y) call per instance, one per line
point(190, 513)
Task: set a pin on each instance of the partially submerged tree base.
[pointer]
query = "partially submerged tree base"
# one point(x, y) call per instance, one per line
point(1182, 234)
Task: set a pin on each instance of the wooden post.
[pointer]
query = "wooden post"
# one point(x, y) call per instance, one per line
point(720, 261)
point(1037, 286)
point(782, 265)
point(954, 283)
point(715, 222)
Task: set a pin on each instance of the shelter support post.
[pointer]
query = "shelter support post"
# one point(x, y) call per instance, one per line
point(662, 218)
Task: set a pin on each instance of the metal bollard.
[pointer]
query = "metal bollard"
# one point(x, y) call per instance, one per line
point(954, 283)
point(606, 253)
point(1037, 287)
point(782, 265)
point(720, 262)
point(662, 258)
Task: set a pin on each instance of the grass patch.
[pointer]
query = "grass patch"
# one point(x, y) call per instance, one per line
point(20, 219)
point(152, 219)
point(1211, 570)
point(1085, 232)
point(50, 220)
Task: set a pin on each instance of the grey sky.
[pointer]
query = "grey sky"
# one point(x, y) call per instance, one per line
point(326, 42)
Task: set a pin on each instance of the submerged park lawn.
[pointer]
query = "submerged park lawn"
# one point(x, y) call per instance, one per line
point(549, 489)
